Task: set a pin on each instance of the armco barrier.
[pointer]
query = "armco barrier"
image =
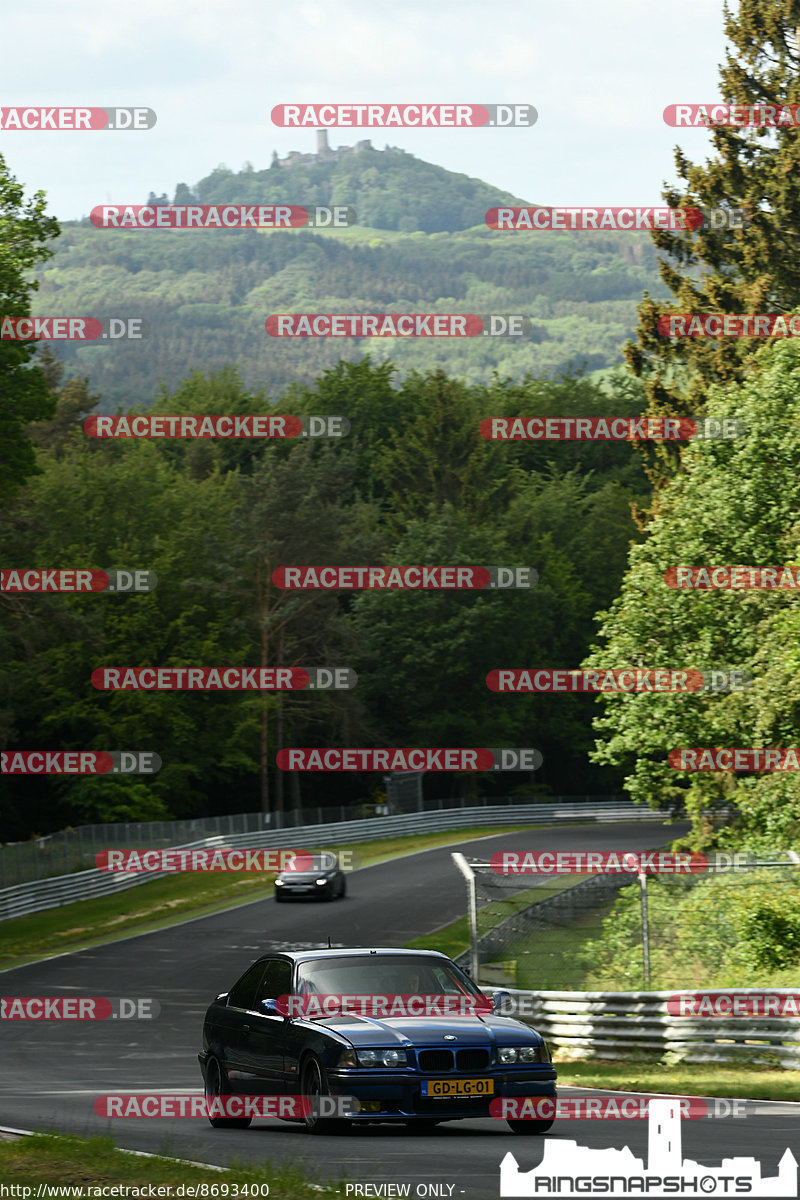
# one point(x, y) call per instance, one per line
point(33, 897)
point(622, 1024)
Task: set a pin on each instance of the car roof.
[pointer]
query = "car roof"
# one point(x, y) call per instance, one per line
point(351, 952)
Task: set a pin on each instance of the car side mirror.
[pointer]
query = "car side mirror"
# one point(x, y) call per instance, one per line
point(501, 1002)
point(270, 1008)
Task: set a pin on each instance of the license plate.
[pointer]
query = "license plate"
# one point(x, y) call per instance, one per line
point(445, 1089)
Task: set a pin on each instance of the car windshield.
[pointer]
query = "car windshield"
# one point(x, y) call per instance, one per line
point(392, 975)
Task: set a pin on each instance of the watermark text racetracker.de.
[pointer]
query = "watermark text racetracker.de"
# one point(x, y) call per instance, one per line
point(73, 329)
point(416, 578)
point(783, 578)
point(75, 118)
point(223, 679)
point(400, 325)
point(225, 425)
point(195, 858)
point(617, 862)
point(79, 762)
point(738, 758)
point(412, 116)
point(78, 1008)
point(628, 219)
point(609, 429)
point(222, 216)
point(37, 581)
point(218, 858)
point(622, 679)
point(193, 1106)
point(416, 758)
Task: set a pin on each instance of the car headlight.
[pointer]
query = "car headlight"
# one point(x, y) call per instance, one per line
point(320, 882)
point(280, 882)
point(381, 1058)
point(523, 1054)
point(528, 1054)
point(348, 1058)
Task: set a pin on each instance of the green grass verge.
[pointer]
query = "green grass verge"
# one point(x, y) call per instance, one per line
point(690, 1079)
point(163, 902)
point(453, 939)
point(87, 1162)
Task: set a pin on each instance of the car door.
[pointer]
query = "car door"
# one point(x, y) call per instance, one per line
point(264, 1034)
point(235, 1024)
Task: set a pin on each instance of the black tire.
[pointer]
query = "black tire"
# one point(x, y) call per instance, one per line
point(278, 896)
point(343, 892)
point(530, 1127)
point(314, 1082)
point(217, 1085)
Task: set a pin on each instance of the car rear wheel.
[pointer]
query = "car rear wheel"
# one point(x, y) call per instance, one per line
point(314, 1085)
point(216, 1085)
point(530, 1127)
point(343, 892)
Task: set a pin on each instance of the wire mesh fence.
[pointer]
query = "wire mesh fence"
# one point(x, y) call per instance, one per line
point(738, 918)
point(72, 850)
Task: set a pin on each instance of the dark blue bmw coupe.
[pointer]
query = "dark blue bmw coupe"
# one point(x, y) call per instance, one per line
point(276, 1033)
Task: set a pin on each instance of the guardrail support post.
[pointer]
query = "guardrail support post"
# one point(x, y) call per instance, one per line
point(645, 930)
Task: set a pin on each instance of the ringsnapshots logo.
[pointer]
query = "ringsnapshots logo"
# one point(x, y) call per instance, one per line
point(79, 762)
point(223, 679)
point(784, 578)
point(409, 578)
point(403, 116)
point(568, 1169)
point(78, 1008)
point(624, 679)
point(40, 581)
point(221, 216)
point(409, 759)
point(73, 118)
point(609, 429)
point(73, 329)
point(259, 425)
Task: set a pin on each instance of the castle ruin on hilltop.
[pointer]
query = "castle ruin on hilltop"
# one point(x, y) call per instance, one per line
point(324, 152)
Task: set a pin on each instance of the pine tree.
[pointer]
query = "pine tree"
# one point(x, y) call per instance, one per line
point(753, 269)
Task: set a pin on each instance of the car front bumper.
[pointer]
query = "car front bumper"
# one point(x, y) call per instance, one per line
point(400, 1093)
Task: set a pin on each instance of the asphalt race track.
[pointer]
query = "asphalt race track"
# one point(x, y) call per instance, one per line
point(53, 1071)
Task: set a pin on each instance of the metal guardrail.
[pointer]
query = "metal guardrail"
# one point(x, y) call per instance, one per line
point(620, 1024)
point(70, 850)
point(35, 896)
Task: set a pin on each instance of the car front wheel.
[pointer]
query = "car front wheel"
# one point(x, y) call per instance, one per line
point(313, 1086)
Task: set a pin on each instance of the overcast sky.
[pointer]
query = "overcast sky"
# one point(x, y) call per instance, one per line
point(599, 72)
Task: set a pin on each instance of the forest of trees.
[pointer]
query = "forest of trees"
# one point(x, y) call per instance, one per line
point(414, 482)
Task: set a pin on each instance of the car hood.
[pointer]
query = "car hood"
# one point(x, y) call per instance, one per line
point(390, 1031)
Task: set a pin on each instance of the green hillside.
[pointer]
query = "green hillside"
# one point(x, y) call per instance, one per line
point(206, 293)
